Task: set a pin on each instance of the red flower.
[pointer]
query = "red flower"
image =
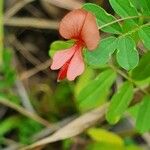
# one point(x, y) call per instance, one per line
point(80, 26)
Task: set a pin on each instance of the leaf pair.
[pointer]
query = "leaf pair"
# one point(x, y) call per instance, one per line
point(127, 55)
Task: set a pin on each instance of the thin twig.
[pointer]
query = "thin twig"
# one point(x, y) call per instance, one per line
point(34, 11)
point(24, 96)
point(22, 49)
point(31, 22)
point(35, 70)
point(11, 145)
point(24, 112)
point(19, 5)
point(71, 4)
point(47, 131)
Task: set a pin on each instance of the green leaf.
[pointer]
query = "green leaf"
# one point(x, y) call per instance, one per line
point(102, 53)
point(127, 55)
point(104, 136)
point(143, 121)
point(7, 58)
point(10, 96)
point(134, 110)
point(119, 103)
point(135, 3)
point(27, 128)
point(95, 92)
point(9, 124)
point(133, 147)
point(59, 45)
point(144, 34)
point(67, 144)
point(145, 6)
point(83, 80)
point(142, 71)
point(124, 8)
point(103, 18)
point(104, 146)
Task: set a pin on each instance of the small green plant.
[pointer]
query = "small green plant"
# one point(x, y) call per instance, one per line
point(117, 55)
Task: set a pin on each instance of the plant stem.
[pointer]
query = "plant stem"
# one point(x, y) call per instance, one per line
point(135, 29)
point(24, 112)
point(122, 19)
point(120, 72)
point(1, 31)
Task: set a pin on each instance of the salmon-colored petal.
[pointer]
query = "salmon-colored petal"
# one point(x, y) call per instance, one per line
point(90, 33)
point(61, 57)
point(71, 25)
point(76, 66)
point(63, 72)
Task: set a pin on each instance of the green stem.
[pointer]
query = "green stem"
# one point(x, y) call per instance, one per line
point(130, 32)
point(120, 72)
point(135, 29)
point(1, 31)
point(122, 19)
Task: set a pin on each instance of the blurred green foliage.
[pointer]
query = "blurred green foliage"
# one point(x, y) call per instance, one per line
point(99, 83)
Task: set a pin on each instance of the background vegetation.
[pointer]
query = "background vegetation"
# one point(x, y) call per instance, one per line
point(106, 108)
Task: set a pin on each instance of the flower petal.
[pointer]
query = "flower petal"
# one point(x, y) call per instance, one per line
point(63, 72)
point(71, 25)
point(61, 57)
point(90, 33)
point(80, 24)
point(76, 66)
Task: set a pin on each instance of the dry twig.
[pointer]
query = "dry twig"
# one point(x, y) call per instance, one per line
point(24, 112)
point(19, 5)
point(20, 47)
point(74, 128)
point(31, 22)
point(48, 131)
point(71, 4)
point(35, 70)
point(24, 96)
